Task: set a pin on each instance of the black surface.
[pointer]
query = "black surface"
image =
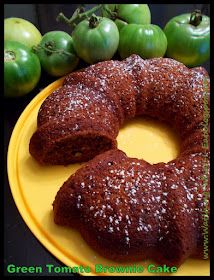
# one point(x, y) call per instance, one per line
point(20, 246)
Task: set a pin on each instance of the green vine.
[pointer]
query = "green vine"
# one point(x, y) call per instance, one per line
point(80, 14)
point(50, 49)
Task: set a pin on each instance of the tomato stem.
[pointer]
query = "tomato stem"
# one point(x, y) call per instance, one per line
point(50, 50)
point(113, 14)
point(78, 15)
point(195, 18)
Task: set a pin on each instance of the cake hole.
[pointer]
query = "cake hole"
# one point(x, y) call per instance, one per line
point(149, 139)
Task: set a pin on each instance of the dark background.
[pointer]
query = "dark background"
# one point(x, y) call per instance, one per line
point(20, 246)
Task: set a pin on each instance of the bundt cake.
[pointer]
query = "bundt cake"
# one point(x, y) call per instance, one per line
point(126, 208)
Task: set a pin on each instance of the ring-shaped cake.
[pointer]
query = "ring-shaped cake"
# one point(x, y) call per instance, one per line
point(126, 208)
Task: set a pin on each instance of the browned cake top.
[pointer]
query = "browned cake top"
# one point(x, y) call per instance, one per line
point(130, 196)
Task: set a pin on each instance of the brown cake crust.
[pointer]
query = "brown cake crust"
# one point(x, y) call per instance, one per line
point(78, 126)
point(130, 210)
point(111, 92)
point(126, 208)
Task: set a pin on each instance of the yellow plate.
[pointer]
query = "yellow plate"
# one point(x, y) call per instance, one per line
point(34, 187)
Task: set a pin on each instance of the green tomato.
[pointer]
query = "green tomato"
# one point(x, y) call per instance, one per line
point(120, 24)
point(21, 30)
point(129, 13)
point(134, 13)
point(22, 69)
point(96, 39)
point(147, 40)
point(188, 41)
point(56, 53)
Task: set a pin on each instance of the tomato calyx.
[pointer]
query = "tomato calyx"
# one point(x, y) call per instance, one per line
point(49, 47)
point(94, 21)
point(195, 18)
point(9, 55)
point(113, 15)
